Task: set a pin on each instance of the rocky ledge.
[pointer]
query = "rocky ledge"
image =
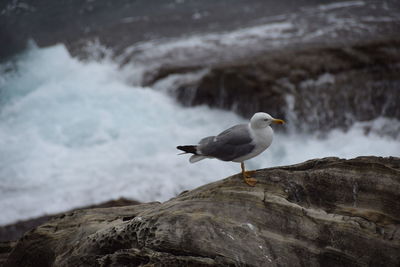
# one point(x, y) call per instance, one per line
point(323, 87)
point(323, 212)
point(16, 230)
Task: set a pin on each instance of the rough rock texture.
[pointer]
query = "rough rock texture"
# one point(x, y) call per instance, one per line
point(322, 87)
point(324, 212)
point(16, 230)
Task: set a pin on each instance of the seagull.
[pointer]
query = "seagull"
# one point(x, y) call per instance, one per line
point(238, 143)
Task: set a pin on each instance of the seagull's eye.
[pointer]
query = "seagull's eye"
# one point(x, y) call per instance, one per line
point(265, 119)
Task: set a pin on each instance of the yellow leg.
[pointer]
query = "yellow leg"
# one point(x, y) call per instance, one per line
point(247, 176)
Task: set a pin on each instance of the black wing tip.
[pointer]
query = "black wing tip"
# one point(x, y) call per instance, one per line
point(188, 149)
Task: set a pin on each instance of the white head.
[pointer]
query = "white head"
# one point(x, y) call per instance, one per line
point(262, 120)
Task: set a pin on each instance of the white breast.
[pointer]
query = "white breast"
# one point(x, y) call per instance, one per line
point(262, 139)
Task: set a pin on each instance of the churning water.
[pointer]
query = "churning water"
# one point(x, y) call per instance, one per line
point(75, 133)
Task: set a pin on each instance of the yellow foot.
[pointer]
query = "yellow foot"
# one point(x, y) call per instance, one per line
point(247, 176)
point(250, 181)
point(249, 173)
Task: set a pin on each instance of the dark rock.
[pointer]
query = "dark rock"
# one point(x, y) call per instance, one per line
point(119, 24)
point(321, 87)
point(323, 212)
point(5, 249)
point(308, 64)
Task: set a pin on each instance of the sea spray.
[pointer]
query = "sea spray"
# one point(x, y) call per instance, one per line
point(76, 133)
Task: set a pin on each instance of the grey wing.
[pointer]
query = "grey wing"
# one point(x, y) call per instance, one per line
point(231, 144)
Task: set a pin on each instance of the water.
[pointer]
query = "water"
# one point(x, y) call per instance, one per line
point(74, 134)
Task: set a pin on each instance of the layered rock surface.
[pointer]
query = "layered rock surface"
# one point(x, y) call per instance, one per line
point(16, 230)
point(324, 212)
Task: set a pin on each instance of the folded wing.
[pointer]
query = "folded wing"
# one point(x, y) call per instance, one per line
point(231, 144)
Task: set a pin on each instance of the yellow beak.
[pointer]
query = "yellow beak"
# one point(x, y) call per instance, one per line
point(278, 121)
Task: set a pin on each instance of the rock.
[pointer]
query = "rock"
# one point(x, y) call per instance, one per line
point(5, 249)
point(323, 212)
point(298, 60)
point(322, 87)
point(120, 24)
point(16, 230)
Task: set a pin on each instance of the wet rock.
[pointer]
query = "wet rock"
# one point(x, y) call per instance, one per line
point(323, 212)
point(305, 61)
point(119, 24)
point(320, 87)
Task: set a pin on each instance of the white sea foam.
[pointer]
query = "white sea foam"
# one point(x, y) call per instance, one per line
point(343, 4)
point(322, 23)
point(190, 50)
point(74, 134)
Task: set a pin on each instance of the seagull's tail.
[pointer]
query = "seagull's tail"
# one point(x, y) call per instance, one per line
point(191, 149)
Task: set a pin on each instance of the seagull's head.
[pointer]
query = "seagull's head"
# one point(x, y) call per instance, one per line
point(262, 120)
